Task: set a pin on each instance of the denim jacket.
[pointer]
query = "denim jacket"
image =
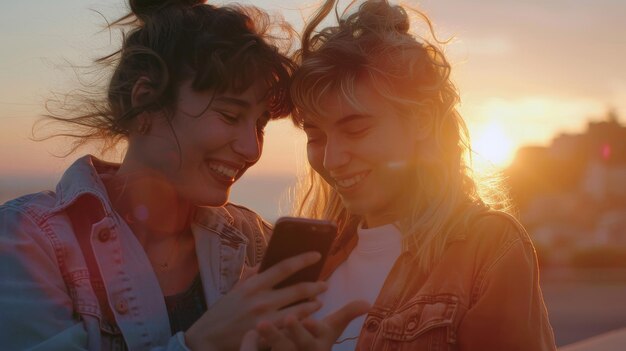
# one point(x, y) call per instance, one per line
point(53, 298)
point(482, 295)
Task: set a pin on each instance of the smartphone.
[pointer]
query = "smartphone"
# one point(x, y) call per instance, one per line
point(293, 236)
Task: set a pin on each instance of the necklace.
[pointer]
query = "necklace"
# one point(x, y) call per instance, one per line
point(163, 266)
point(137, 217)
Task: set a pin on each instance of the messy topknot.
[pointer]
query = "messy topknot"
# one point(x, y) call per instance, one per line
point(375, 45)
point(219, 48)
point(145, 8)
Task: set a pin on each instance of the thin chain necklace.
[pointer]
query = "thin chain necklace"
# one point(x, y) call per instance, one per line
point(173, 254)
point(132, 218)
point(165, 266)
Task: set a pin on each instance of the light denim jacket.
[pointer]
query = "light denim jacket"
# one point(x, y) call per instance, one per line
point(49, 299)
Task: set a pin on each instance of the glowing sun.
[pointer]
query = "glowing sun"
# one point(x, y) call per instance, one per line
point(492, 144)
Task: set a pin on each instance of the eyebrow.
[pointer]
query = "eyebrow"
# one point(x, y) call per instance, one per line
point(343, 121)
point(233, 101)
point(350, 118)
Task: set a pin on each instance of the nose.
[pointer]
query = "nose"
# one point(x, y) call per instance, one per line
point(336, 154)
point(248, 143)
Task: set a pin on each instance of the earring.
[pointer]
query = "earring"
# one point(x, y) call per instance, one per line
point(144, 126)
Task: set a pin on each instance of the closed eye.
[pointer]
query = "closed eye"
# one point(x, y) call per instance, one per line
point(232, 119)
point(357, 132)
point(314, 136)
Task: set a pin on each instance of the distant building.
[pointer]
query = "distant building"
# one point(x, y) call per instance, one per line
point(573, 192)
point(593, 162)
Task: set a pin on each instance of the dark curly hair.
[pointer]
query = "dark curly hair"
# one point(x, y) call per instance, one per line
point(220, 48)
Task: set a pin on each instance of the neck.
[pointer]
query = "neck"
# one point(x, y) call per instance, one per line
point(150, 205)
point(378, 220)
point(393, 213)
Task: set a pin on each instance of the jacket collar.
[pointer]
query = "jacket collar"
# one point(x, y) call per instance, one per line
point(83, 177)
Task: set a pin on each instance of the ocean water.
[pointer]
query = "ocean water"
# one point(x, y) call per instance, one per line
point(265, 194)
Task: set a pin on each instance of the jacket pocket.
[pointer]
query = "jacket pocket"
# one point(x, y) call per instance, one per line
point(433, 318)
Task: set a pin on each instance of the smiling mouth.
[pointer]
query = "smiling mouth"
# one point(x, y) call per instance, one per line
point(351, 182)
point(224, 172)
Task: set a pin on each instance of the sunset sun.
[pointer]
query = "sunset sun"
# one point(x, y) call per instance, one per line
point(492, 145)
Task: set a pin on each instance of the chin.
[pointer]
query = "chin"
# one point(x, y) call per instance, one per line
point(356, 208)
point(210, 200)
point(215, 202)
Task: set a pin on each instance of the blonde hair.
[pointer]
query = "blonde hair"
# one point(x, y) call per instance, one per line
point(412, 73)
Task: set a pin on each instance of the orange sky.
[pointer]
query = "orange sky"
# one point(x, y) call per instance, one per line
point(526, 70)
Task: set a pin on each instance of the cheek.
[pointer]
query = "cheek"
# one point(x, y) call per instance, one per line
point(261, 142)
point(316, 158)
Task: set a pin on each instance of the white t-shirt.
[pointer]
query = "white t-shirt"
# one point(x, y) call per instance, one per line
point(361, 277)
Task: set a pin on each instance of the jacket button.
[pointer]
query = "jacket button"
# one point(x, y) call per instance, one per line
point(104, 235)
point(121, 306)
point(372, 325)
point(411, 325)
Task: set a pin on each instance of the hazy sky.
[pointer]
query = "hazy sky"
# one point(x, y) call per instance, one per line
point(526, 70)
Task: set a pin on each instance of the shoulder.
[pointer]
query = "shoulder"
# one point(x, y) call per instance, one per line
point(248, 222)
point(32, 207)
point(502, 257)
point(495, 228)
point(24, 229)
point(243, 214)
point(37, 221)
point(254, 227)
point(496, 238)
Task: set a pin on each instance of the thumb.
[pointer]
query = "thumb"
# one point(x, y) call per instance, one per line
point(246, 273)
point(249, 271)
point(339, 320)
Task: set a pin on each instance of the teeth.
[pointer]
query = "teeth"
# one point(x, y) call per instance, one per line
point(223, 170)
point(346, 183)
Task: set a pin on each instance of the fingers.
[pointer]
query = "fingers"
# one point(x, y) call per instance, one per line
point(249, 272)
point(274, 337)
point(298, 334)
point(339, 320)
point(299, 311)
point(250, 341)
point(299, 299)
point(314, 326)
point(298, 292)
point(268, 331)
point(282, 270)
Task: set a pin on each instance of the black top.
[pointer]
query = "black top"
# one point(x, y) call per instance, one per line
point(185, 308)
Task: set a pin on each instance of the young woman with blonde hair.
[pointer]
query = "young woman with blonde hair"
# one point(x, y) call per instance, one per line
point(443, 268)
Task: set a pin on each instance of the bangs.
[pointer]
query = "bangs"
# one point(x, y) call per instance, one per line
point(241, 47)
point(313, 83)
point(237, 71)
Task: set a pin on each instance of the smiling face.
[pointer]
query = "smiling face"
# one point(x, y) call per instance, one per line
point(366, 154)
point(204, 148)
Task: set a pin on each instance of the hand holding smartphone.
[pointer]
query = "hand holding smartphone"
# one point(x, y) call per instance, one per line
point(293, 236)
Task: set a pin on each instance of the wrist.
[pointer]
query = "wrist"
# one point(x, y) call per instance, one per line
point(193, 342)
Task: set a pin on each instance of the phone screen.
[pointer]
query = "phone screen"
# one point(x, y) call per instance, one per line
point(293, 236)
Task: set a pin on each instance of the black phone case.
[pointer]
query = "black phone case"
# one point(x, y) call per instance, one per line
point(293, 236)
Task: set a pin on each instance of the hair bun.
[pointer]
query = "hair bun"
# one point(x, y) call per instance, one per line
point(401, 20)
point(382, 16)
point(143, 8)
